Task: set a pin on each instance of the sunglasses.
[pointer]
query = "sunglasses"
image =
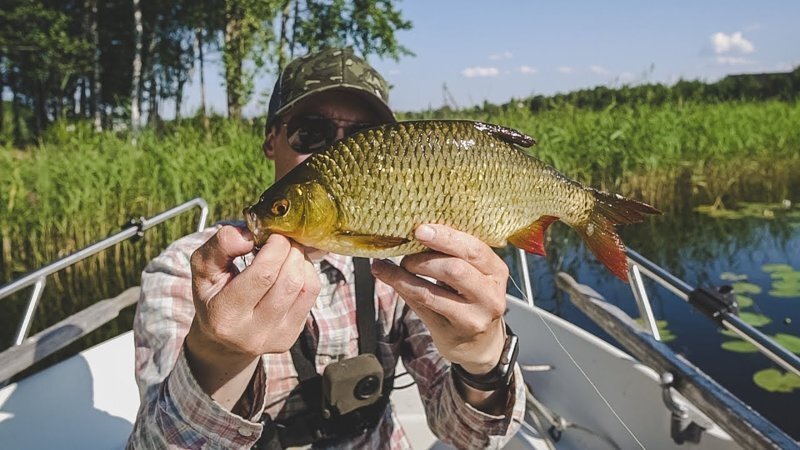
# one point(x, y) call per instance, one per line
point(311, 134)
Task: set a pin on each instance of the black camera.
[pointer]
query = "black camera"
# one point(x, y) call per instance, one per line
point(351, 384)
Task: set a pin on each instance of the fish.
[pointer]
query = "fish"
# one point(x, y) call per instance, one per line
point(365, 194)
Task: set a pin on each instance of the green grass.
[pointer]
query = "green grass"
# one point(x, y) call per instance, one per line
point(76, 186)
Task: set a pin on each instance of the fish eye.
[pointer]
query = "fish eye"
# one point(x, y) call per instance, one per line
point(280, 207)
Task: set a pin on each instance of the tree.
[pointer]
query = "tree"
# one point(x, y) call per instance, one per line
point(247, 36)
point(136, 68)
point(369, 26)
point(104, 60)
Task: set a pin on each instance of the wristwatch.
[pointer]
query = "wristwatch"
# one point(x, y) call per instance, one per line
point(500, 375)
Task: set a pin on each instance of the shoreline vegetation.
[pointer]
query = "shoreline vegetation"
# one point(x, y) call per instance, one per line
point(77, 186)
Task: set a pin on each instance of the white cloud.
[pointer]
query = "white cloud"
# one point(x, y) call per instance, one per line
point(734, 60)
point(725, 43)
point(502, 55)
point(626, 76)
point(565, 69)
point(478, 71)
point(528, 70)
point(599, 70)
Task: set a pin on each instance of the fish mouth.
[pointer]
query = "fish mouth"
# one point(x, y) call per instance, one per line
point(251, 219)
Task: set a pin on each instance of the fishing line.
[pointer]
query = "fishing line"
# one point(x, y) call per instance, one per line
point(578, 365)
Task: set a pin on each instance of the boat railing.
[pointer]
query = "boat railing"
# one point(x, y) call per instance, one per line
point(99, 313)
point(748, 428)
point(717, 304)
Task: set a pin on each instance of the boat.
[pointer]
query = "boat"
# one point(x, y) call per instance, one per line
point(583, 392)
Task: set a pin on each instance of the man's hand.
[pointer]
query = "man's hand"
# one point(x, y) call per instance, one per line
point(240, 316)
point(464, 311)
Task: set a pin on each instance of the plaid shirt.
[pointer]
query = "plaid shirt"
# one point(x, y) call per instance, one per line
point(176, 413)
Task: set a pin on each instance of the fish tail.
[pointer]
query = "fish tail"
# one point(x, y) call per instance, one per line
point(599, 230)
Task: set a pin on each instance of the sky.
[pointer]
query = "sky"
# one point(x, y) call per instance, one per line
point(499, 50)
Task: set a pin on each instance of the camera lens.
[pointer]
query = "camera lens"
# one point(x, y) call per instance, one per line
point(366, 387)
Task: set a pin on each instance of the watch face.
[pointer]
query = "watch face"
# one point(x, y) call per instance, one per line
point(509, 357)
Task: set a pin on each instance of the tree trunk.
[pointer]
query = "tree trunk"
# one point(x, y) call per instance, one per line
point(15, 110)
point(233, 58)
point(199, 42)
point(137, 65)
point(283, 39)
point(96, 87)
point(74, 106)
point(179, 98)
point(294, 27)
point(39, 113)
point(148, 80)
point(2, 102)
point(85, 97)
point(152, 110)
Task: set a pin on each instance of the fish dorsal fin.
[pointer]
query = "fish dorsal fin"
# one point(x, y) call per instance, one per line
point(531, 238)
point(371, 241)
point(509, 135)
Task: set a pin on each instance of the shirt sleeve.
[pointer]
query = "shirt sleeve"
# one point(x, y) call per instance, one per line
point(450, 417)
point(175, 412)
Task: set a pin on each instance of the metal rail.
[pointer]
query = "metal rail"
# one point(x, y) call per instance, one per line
point(522, 264)
point(727, 319)
point(136, 229)
point(748, 428)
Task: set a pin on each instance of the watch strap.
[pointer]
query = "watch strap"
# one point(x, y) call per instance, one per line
point(500, 375)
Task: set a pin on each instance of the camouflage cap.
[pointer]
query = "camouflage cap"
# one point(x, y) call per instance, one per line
point(333, 68)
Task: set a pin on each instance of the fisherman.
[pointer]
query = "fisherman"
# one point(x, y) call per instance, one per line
point(293, 346)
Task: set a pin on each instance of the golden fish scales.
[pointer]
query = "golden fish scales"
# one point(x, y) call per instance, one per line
point(448, 173)
point(383, 182)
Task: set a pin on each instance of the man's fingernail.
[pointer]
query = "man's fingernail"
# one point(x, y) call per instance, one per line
point(425, 233)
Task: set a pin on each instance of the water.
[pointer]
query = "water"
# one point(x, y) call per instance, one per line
point(698, 249)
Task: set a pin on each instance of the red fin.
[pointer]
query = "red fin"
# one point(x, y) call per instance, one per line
point(531, 238)
point(600, 234)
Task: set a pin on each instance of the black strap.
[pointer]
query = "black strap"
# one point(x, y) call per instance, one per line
point(365, 307)
point(303, 357)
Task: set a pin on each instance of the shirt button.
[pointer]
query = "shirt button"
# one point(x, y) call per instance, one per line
point(246, 432)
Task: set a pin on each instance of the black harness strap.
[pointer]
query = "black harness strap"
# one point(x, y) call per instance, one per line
point(280, 435)
point(365, 307)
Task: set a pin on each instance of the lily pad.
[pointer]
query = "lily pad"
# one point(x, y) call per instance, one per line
point(744, 210)
point(784, 293)
point(746, 288)
point(730, 276)
point(787, 277)
point(754, 319)
point(744, 301)
point(739, 347)
point(729, 333)
point(773, 380)
point(772, 268)
point(785, 289)
point(666, 334)
point(663, 331)
point(789, 342)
